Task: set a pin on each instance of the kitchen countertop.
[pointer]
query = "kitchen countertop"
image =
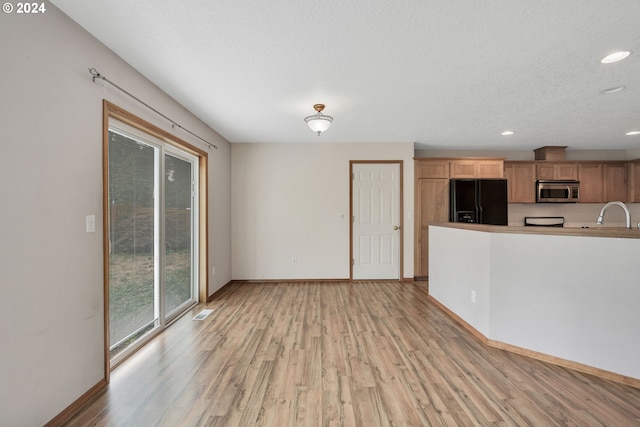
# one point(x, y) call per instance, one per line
point(597, 231)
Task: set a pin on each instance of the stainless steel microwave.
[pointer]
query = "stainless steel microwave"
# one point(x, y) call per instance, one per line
point(557, 191)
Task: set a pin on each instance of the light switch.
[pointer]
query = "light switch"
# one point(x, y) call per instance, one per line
point(90, 223)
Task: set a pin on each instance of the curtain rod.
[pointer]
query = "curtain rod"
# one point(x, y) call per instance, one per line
point(96, 75)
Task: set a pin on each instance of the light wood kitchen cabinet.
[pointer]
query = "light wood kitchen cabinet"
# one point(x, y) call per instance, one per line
point(432, 205)
point(634, 181)
point(602, 182)
point(476, 168)
point(463, 169)
point(432, 169)
point(567, 171)
point(616, 186)
point(591, 188)
point(490, 169)
point(559, 170)
point(521, 181)
point(545, 171)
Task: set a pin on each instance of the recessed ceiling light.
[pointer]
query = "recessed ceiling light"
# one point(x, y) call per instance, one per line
point(614, 89)
point(615, 57)
point(507, 133)
point(633, 132)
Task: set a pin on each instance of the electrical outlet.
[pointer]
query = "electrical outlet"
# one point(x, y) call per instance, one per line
point(473, 297)
point(213, 271)
point(294, 260)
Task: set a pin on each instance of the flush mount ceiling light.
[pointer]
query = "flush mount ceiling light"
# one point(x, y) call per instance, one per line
point(633, 132)
point(614, 89)
point(507, 133)
point(615, 57)
point(318, 122)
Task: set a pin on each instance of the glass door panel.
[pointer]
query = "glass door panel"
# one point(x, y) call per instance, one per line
point(133, 226)
point(179, 222)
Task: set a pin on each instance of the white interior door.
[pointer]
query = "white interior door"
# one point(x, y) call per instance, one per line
point(376, 221)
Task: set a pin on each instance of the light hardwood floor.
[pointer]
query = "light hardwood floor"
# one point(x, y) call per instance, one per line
point(343, 354)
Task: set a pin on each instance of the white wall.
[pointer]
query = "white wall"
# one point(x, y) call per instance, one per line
point(288, 200)
point(571, 297)
point(461, 264)
point(51, 304)
point(633, 154)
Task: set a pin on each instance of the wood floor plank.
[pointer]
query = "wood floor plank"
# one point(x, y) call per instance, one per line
point(343, 354)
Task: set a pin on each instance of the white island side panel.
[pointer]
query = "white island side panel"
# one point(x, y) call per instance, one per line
point(576, 298)
point(459, 263)
point(572, 297)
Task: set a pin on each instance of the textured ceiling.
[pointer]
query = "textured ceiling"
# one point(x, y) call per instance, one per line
point(443, 74)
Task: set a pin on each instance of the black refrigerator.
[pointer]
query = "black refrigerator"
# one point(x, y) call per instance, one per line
point(480, 201)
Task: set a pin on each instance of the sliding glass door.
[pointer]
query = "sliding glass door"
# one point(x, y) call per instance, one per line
point(133, 222)
point(181, 220)
point(152, 229)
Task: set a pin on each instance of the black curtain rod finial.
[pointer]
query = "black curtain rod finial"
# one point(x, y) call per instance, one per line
point(95, 74)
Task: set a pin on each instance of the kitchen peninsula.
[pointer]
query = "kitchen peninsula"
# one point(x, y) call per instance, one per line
point(568, 296)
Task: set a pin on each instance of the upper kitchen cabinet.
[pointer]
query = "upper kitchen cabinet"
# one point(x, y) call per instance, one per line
point(476, 168)
point(634, 181)
point(616, 184)
point(459, 168)
point(602, 182)
point(490, 168)
point(591, 188)
point(432, 168)
point(557, 170)
point(521, 180)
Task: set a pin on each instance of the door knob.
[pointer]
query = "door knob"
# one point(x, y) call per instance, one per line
point(395, 227)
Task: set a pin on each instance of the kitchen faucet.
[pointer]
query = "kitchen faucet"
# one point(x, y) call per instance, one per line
point(627, 214)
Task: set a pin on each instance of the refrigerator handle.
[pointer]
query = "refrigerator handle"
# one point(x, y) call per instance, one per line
point(478, 203)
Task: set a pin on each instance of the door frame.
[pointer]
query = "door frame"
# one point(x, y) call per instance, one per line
point(109, 111)
point(401, 214)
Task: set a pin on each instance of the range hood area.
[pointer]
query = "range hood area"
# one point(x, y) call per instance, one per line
point(551, 153)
